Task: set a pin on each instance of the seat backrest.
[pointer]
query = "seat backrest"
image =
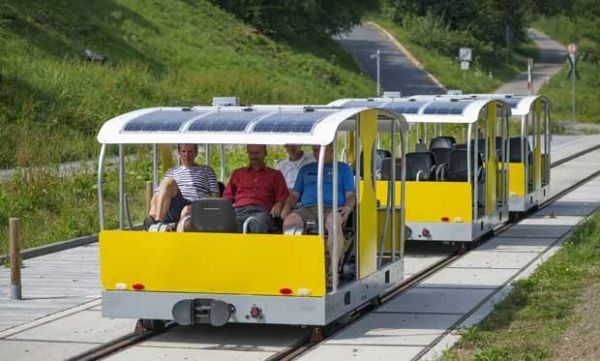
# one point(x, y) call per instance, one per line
point(442, 155)
point(386, 170)
point(421, 164)
point(515, 150)
point(378, 157)
point(457, 169)
point(214, 215)
point(442, 142)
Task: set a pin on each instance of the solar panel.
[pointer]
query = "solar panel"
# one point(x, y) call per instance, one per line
point(289, 122)
point(362, 103)
point(159, 121)
point(405, 107)
point(445, 108)
point(224, 122)
point(513, 102)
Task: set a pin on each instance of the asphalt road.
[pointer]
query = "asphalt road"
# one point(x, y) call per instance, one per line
point(551, 59)
point(397, 71)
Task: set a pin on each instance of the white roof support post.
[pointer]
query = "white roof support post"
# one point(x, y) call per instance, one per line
point(99, 184)
point(121, 186)
point(335, 219)
point(320, 217)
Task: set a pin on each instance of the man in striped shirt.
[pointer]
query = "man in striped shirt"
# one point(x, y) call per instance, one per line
point(181, 186)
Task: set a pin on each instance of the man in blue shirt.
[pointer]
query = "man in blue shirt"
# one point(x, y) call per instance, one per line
point(305, 192)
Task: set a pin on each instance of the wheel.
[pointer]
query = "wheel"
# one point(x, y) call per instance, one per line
point(316, 334)
point(146, 325)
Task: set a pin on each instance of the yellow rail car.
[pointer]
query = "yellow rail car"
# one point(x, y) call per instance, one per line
point(212, 277)
point(457, 169)
point(529, 150)
point(528, 146)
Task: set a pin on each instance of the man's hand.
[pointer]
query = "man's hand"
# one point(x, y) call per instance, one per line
point(276, 211)
point(344, 213)
point(285, 211)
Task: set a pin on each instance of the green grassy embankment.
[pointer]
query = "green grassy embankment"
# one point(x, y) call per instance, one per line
point(545, 315)
point(586, 34)
point(52, 102)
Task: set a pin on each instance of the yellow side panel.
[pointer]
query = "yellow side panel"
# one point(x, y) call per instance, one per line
point(537, 150)
point(166, 156)
point(516, 182)
point(258, 264)
point(432, 201)
point(388, 234)
point(491, 166)
point(367, 245)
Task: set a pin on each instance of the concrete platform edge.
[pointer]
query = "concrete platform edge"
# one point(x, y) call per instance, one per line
point(484, 310)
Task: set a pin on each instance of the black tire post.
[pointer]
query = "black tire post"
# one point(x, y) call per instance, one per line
point(15, 259)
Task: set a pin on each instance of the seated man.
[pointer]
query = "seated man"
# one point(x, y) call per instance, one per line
point(305, 191)
point(297, 158)
point(180, 187)
point(257, 191)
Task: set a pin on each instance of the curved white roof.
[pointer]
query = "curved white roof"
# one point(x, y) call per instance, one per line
point(234, 125)
point(427, 109)
point(519, 104)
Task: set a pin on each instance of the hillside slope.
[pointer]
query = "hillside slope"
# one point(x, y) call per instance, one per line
point(159, 53)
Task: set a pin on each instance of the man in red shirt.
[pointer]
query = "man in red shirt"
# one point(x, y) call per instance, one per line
point(257, 191)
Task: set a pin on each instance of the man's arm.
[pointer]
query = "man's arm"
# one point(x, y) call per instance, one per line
point(280, 194)
point(348, 205)
point(229, 192)
point(213, 185)
point(290, 202)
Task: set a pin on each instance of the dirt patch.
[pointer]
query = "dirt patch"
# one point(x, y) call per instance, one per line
point(581, 341)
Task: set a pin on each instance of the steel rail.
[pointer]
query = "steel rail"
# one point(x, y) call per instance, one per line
point(302, 347)
point(113, 346)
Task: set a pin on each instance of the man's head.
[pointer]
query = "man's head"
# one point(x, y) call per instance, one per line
point(256, 154)
point(187, 154)
point(294, 151)
point(328, 152)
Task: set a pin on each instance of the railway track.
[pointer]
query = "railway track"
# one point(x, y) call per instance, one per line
point(301, 340)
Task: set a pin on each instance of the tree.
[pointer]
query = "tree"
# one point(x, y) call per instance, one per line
point(292, 17)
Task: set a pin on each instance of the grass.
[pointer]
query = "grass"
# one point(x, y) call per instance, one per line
point(176, 52)
point(483, 77)
point(530, 322)
point(586, 35)
point(160, 52)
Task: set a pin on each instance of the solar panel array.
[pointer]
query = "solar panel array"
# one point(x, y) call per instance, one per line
point(405, 107)
point(159, 121)
point(445, 108)
point(224, 122)
point(289, 122)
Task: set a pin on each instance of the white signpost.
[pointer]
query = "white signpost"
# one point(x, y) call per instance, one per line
point(529, 75)
point(572, 49)
point(465, 55)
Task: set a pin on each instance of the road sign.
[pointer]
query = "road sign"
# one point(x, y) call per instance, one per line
point(572, 48)
point(465, 54)
point(464, 65)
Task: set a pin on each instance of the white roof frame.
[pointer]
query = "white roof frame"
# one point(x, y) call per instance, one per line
point(323, 132)
point(468, 116)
